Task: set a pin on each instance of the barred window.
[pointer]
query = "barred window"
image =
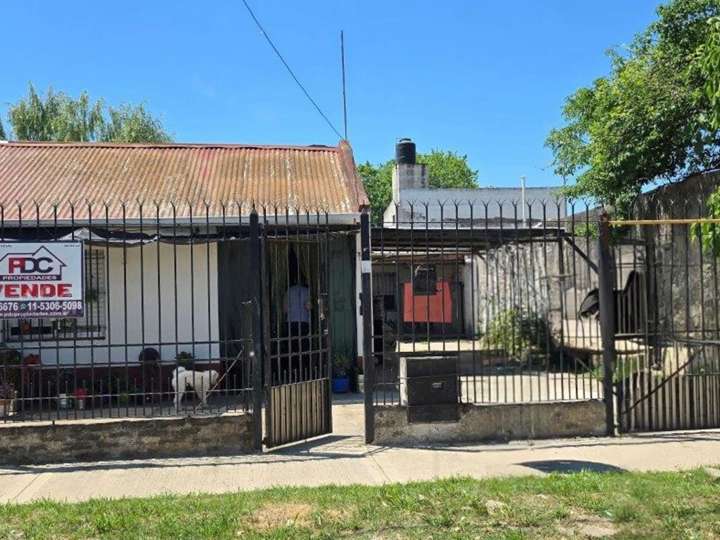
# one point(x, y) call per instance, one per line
point(91, 325)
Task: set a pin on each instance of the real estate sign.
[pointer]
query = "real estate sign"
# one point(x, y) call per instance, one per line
point(41, 279)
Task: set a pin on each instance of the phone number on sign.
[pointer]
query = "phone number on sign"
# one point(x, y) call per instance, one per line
point(53, 306)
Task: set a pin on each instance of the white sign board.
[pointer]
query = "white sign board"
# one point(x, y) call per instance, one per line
point(41, 279)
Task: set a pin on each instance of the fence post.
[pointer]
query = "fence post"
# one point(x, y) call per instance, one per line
point(257, 352)
point(606, 269)
point(366, 307)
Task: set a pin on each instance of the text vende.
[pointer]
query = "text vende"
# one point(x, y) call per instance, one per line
point(36, 290)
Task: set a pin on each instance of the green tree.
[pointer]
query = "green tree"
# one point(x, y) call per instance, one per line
point(648, 120)
point(59, 117)
point(709, 54)
point(446, 169)
point(2, 131)
point(710, 65)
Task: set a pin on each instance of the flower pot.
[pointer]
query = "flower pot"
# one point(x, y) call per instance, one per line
point(341, 385)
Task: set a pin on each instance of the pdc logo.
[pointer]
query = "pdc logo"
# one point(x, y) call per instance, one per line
point(41, 265)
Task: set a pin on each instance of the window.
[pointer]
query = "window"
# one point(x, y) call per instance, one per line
point(92, 325)
point(425, 282)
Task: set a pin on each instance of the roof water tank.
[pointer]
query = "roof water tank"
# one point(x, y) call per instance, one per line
point(405, 152)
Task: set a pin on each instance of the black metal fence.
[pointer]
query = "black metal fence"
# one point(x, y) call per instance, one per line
point(667, 321)
point(169, 319)
point(550, 302)
point(498, 292)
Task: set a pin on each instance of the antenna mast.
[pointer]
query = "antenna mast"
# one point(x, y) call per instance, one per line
point(342, 62)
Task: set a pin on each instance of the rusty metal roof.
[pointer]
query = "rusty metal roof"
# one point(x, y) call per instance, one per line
point(65, 178)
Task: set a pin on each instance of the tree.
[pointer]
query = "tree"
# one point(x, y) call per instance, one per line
point(648, 120)
point(709, 54)
point(446, 169)
point(710, 65)
point(2, 131)
point(59, 117)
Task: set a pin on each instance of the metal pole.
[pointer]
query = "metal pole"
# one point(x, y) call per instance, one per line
point(342, 61)
point(522, 197)
point(607, 318)
point(366, 306)
point(257, 352)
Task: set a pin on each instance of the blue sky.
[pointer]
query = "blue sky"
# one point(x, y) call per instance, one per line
point(486, 79)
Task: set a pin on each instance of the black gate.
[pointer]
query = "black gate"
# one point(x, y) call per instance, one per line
point(297, 366)
point(665, 326)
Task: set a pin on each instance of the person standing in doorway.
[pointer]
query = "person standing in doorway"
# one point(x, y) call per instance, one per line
point(297, 312)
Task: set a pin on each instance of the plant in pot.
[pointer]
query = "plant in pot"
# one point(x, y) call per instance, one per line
point(341, 374)
point(7, 399)
point(10, 365)
point(185, 359)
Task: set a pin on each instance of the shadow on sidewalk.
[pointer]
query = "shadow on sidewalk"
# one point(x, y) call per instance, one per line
point(568, 466)
point(321, 448)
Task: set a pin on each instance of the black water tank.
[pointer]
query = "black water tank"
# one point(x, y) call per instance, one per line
point(405, 152)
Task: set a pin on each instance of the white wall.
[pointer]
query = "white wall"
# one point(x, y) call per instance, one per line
point(358, 291)
point(157, 320)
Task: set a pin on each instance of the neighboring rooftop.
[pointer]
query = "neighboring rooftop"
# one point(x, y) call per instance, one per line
point(415, 202)
point(306, 177)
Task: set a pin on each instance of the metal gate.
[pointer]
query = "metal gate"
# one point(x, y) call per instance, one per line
point(297, 367)
point(666, 327)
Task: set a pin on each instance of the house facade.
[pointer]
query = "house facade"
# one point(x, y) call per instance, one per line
point(164, 233)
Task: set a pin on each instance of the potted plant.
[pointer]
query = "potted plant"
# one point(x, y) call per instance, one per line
point(10, 365)
point(185, 359)
point(7, 399)
point(341, 371)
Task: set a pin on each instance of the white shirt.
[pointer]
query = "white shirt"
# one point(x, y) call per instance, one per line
point(298, 297)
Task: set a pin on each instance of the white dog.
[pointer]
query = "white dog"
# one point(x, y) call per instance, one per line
point(202, 382)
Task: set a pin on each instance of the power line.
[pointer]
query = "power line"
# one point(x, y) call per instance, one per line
point(280, 56)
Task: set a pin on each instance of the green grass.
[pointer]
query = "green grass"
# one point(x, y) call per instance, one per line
point(655, 505)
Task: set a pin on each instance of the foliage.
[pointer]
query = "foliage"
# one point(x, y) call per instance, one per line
point(132, 124)
point(10, 362)
point(59, 117)
point(586, 504)
point(378, 185)
point(623, 368)
point(2, 132)
point(709, 233)
point(341, 365)
point(185, 359)
point(709, 53)
point(648, 120)
point(710, 65)
point(588, 230)
point(446, 169)
point(518, 331)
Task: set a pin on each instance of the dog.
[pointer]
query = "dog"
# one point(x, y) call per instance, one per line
point(202, 382)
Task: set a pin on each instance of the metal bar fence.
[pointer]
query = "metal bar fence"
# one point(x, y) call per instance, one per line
point(165, 326)
point(508, 298)
point(665, 266)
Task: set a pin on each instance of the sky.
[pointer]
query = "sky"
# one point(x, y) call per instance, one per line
point(483, 78)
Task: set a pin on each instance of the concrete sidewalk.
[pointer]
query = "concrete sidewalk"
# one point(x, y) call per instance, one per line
point(343, 458)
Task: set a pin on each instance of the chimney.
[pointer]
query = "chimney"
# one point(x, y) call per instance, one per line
point(407, 174)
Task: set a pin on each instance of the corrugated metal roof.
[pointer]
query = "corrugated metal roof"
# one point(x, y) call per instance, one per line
point(314, 178)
